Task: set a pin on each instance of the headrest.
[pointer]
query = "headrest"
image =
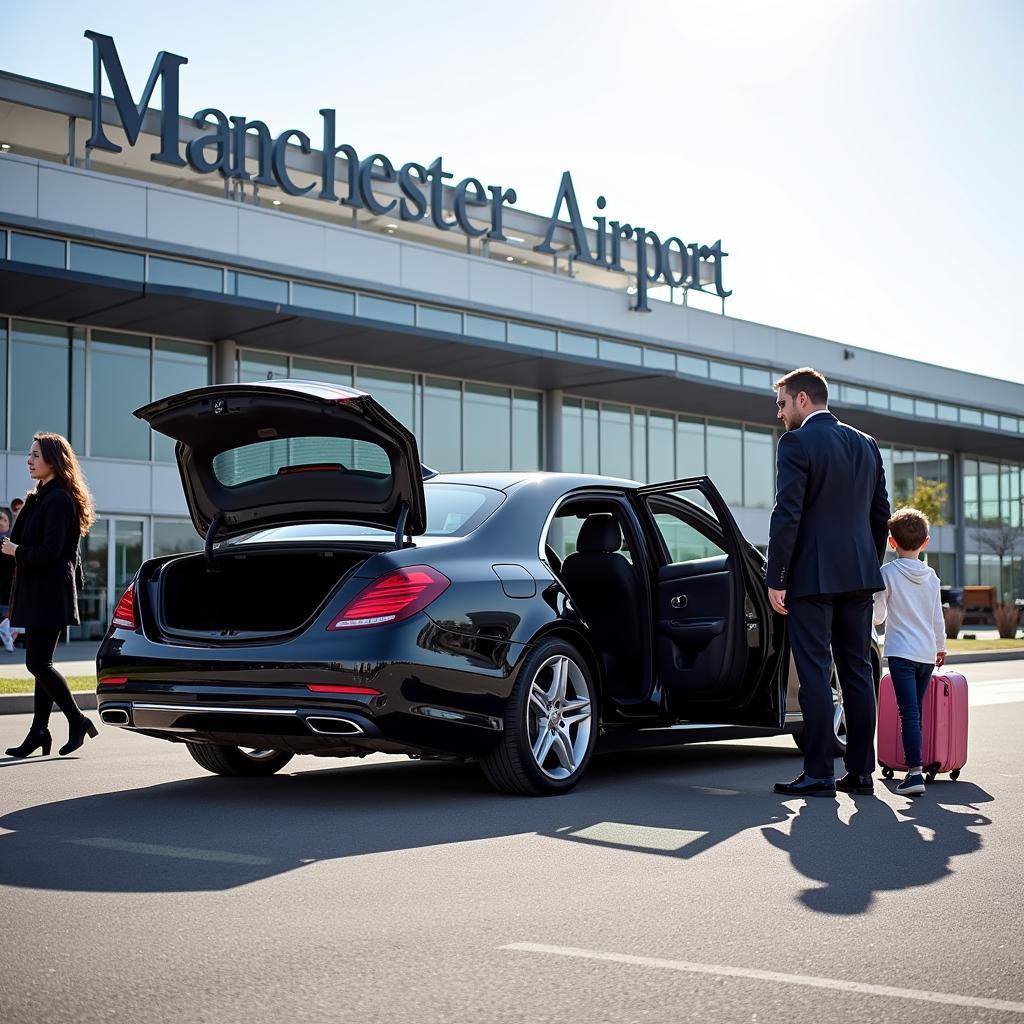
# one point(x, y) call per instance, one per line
point(599, 535)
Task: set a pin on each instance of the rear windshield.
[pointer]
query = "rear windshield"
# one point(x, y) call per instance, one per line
point(251, 462)
point(453, 510)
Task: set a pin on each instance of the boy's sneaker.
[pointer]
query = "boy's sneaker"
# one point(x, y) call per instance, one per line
point(912, 785)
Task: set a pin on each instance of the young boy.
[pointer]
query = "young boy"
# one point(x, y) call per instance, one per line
point(915, 634)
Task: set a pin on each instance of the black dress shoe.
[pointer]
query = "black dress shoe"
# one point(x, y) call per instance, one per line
point(851, 783)
point(804, 785)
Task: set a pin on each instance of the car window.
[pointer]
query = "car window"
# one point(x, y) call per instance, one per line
point(453, 510)
point(280, 456)
point(683, 541)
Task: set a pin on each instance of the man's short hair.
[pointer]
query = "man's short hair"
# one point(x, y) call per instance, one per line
point(909, 528)
point(17, 501)
point(805, 379)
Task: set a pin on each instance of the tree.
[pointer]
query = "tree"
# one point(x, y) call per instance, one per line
point(1001, 540)
point(929, 497)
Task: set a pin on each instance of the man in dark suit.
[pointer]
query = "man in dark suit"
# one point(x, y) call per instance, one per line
point(826, 542)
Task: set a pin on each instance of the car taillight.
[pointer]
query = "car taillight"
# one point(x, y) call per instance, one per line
point(393, 597)
point(124, 613)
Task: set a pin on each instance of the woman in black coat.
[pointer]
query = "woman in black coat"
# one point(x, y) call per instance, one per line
point(44, 596)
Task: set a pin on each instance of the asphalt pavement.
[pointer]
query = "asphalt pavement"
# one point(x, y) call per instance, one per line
point(670, 886)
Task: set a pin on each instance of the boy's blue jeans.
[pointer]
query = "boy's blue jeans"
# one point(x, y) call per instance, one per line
point(910, 681)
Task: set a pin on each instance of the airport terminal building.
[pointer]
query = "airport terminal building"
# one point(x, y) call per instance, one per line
point(146, 250)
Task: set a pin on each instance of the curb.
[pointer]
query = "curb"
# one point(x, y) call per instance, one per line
point(21, 703)
point(965, 657)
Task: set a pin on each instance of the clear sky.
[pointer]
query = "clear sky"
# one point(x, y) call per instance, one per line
point(862, 160)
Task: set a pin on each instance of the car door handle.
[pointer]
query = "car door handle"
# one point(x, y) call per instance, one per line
point(679, 601)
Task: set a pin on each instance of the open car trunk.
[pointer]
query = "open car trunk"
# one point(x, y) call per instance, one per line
point(251, 593)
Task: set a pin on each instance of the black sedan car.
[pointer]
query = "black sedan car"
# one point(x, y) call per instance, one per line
point(344, 605)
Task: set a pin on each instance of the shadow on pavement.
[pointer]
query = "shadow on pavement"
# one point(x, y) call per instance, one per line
point(882, 848)
point(213, 833)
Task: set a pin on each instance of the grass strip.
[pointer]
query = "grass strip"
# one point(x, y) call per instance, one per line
point(28, 685)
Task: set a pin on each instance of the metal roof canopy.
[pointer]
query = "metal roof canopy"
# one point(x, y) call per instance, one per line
point(63, 295)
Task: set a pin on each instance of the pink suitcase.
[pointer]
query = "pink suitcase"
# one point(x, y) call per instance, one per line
point(943, 729)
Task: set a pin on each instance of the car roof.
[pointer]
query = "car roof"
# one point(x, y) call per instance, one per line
point(507, 481)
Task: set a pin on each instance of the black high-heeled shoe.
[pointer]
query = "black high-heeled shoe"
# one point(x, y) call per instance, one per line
point(76, 735)
point(32, 740)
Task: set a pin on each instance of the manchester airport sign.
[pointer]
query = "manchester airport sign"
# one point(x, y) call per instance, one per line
point(222, 149)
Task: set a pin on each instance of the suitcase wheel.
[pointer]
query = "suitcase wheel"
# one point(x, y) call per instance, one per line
point(887, 773)
point(955, 774)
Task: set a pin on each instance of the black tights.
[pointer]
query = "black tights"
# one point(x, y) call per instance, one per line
point(51, 687)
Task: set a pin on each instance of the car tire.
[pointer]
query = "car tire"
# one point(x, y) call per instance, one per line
point(550, 724)
point(237, 761)
point(838, 721)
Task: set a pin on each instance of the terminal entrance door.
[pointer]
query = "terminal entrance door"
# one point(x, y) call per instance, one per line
point(111, 555)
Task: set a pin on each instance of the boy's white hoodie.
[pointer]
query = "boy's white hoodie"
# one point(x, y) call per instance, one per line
point(911, 609)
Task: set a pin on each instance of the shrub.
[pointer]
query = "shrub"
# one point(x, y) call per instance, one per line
point(954, 618)
point(1006, 616)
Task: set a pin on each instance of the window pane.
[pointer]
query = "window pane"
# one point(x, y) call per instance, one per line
point(725, 457)
point(532, 337)
point(3, 245)
point(374, 308)
point(853, 395)
point(661, 448)
point(172, 536)
point(947, 413)
point(254, 366)
point(726, 372)
point(439, 319)
point(572, 436)
point(526, 431)
point(93, 259)
point(760, 379)
point(261, 460)
point(178, 274)
point(178, 366)
point(3, 382)
point(658, 359)
point(900, 404)
point(616, 352)
point(591, 436)
point(395, 391)
point(46, 252)
point(256, 286)
point(990, 420)
point(615, 441)
point(758, 467)
point(487, 419)
point(689, 447)
point(442, 424)
point(988, 482)
point(971, 496)
point(1008, 423)
point(902, 482)
point(120, 383)
point(639, 468)
point(40, 363)
point(971, 417)
point(485, 327)
point(692, 366)
point(878, 400)
point(577, 344)
point(330, 300)
point(924, 409)
point(322, 369)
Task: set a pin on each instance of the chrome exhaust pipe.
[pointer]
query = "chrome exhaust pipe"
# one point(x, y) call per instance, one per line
point(325, 726)
point(114, 716)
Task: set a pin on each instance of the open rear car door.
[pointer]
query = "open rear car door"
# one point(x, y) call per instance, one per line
point(715, 652)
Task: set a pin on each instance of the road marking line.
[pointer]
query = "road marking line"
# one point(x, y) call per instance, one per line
point(180, 852)
point(808, 981)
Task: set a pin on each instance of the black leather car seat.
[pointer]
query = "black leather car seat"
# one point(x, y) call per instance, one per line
point(606, 591)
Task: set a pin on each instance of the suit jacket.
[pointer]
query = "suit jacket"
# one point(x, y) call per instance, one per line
point(831, 515)
point(46, 532)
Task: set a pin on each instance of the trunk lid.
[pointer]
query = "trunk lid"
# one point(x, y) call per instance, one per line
point(282, 452)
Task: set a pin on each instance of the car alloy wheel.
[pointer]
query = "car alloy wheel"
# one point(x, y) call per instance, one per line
point(559, 716)
point(238, 761)
point(549, 728)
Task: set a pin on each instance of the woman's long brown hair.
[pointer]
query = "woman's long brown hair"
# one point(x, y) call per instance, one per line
point(60, 457)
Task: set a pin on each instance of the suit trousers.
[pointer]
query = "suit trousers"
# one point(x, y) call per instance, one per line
point(823, 628)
